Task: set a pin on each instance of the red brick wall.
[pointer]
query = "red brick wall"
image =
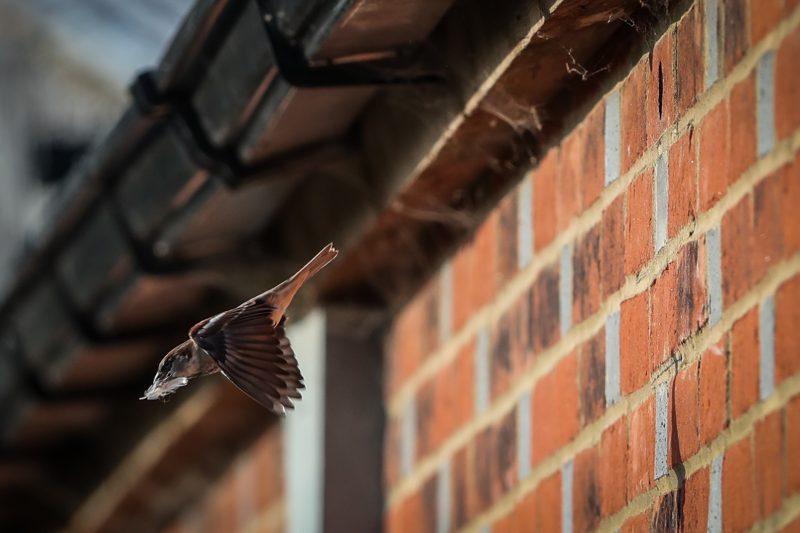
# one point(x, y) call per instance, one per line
point(248, 499)
point(643, 368)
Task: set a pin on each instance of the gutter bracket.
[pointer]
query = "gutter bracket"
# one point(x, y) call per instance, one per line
point(403, 66)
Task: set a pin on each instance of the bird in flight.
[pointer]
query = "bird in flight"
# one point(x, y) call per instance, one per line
point(247, 344)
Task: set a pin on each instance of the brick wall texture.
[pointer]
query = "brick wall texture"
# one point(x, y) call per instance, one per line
point(618, 346)
point(249, 498)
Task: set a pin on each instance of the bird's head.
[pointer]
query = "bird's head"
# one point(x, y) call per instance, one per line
point(173, 372)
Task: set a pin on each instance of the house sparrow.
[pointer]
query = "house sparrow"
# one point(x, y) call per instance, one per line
point(247, 344)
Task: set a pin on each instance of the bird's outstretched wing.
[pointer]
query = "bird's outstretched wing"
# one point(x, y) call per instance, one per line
point(253, 352)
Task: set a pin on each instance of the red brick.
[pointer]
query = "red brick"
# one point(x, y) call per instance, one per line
point(544, 329)
point(690, 60)
point(268, 462)
point(678, 301)
point(738, 498)
point(637, 524)
point(464, 488)
point(683, 416)
point(504, 455)
point(393, 519)
point(455, 402)
point(714, 161)
point(768, 222)
point(408, 343)
point(641, 435)
point(568, 192)
point(592, 378)
point(787, 334)
point(586, 275)
point(787, 86)
point(768, 468)
point(581, 167)
point(735, 32)
point(593, 180)
point(522, 332)
point(793, 444)
point(426, 421)
point(476, 261)
point(540, 509)
point(483, 267)
point(548, 499)
point(555, 409)
point(613, 461)
point(695, 501)
point(428, 307)
point(506, 351)
point(586, 498)
point(713, 392)
point(510, 345)
point(638, 224)
point(634, 350)
point(544, 200)
point(472, 477)
point(507, 238)
point(416, 512)
point(612, 247)
point(663, 316)
point(524, 512)
point(764, 16)
point(232, 497)
point(660, 89)
point(742, 134)
point(446, 402)
point(744, 363)
point(222, 505)
point(391, 452)
point(245, 480)
point(692, 292)
point(790, 179)
point(737, 248)
point(506, 524)
point(414, 335)
point(633, 108)
point(484, 471)
point(682, 183)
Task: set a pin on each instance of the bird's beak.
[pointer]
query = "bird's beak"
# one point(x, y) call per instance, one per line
point(159, 389)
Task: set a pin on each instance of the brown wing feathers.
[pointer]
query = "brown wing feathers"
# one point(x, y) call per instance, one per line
point(258, 359)
point(251, 350)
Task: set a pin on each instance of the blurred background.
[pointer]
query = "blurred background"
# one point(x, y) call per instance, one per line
point(566, 293)
point(66, 68)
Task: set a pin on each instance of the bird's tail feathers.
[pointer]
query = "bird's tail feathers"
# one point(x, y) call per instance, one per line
point(286, 290)
point(318, 262)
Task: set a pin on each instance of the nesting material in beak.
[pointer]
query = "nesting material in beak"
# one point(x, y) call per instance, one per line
point(158, 390)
